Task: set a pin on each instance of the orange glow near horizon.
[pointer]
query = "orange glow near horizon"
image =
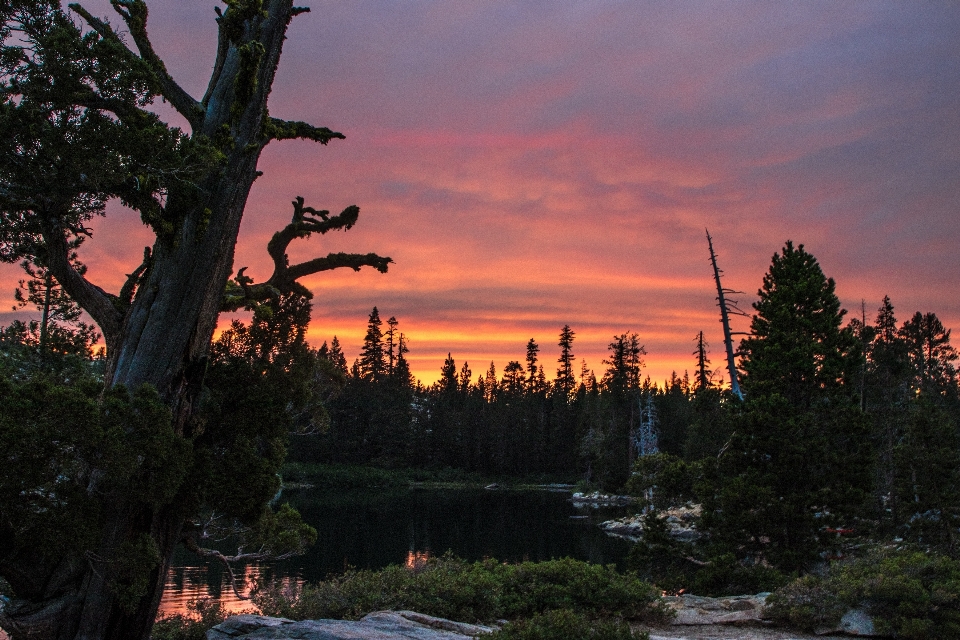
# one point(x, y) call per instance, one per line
point(569, 176)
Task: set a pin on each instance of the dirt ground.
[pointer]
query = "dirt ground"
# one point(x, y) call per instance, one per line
point(730, 632)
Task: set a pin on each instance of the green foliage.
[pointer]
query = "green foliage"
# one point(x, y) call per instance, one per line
point(799, 458)
point(135, 559)
point(564, 624)
point(670, 478)
point(909, 594)
point(451, 588)
point(806, 603)
point(207, 614)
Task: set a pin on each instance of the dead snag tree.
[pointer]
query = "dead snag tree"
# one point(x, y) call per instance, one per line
point(75, 133)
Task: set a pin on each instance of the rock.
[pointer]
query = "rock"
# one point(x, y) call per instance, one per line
point(857, 622)
point(597, 500)
point(699, 610)
point(680, 521)
point(381, 625)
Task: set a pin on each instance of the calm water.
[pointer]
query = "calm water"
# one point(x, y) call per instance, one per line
point(373, 530)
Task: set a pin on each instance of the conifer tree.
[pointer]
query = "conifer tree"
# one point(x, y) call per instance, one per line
point(60, 329)
point(76, 131)
point(703, 373)
point(930, 354)
point(372, 366)
point(391, 343)
point(565, 381)
point(797, 348)
point(448, 382)
point(623, 367)
point(512, 380)
point(532, 350)
point(801, 444)
point(336, 356)
point(465, 374)
point(490, 383)
point(401, 370)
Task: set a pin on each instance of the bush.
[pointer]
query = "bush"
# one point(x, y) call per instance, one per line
point(209, 613)
point(909, 594)
point(481, 591)
point(564, 624)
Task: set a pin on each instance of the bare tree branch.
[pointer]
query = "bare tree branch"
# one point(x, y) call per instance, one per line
point(94, 300)
point(223, 45)
point(133, 279)
point(338, 261)
point(306, 221)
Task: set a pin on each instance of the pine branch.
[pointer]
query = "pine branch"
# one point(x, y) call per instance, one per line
point(277, 129)
point(134, 14)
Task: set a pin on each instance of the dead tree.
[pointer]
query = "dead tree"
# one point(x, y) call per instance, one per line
point(727, 307)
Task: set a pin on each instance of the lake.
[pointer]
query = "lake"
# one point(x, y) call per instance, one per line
point(370, 530)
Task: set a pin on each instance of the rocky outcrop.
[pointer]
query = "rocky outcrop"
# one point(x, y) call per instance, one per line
point(597, 499)
point(699, 610)
point(381, 625)
point(680, 521)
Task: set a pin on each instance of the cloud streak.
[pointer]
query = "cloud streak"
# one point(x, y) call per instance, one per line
point(530, 165)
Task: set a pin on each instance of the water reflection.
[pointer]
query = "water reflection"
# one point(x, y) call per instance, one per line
point(189, 583)
point(367, 530)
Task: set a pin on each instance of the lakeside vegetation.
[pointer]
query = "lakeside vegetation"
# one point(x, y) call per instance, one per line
point(836, 480)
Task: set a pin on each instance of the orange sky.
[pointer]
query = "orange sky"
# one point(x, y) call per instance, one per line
point(530, 165)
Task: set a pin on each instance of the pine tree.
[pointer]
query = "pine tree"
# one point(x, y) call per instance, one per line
point(565, 381)
point(59, 329)
point(796, 347)
point(401, 371)
point(336, 356)
point(490, 383)
point(391, 336)
point(703, 373)
point(465, 374)
point(623, 367)
point(448, 376)
point(930, 355)
point(512, 380)
point(801, 445)
point(372, 366)
point(532, 350)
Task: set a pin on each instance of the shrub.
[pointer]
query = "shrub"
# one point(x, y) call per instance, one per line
point(909, 594)
point(481, 591)
point(208, 613)
point(564, 624)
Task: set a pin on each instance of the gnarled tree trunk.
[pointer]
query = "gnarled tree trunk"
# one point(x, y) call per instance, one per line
point(162, 336)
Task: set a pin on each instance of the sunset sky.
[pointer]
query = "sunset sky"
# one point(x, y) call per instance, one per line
point(539, 163)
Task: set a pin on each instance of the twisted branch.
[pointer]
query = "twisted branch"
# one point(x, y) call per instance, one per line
point(94, 300)
point(306, 221)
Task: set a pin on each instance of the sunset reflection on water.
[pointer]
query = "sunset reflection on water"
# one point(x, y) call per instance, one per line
point(190, 583)
point(417, 559)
